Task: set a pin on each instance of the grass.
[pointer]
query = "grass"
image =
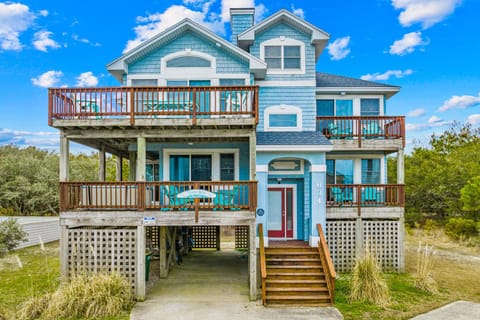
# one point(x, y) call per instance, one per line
point(38, 275)
point(455, 272)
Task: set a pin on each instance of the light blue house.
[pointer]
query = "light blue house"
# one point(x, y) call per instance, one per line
point(274, 142)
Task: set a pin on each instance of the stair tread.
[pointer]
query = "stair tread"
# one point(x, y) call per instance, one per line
point(293, 297)
point(271, 273)
point(288, 289)
point(295, 281)
point(293, 259)
point(291, 267)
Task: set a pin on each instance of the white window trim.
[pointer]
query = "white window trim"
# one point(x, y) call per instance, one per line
point(284, 110)
point(356, 101)
point(215, 153)
point(283, 41)
point(173, 73)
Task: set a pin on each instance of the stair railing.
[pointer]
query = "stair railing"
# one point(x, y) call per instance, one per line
point(263, 264)
point(327, 263)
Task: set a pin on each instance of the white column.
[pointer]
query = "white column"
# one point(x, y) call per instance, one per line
point(132, 163)
point(141, 158)
point(101, 164)
point(253, 155)
point(140, 263)
point(318, 202)
point(252, 261)
point(262, 201)
point(64, 154)
point(400, 167)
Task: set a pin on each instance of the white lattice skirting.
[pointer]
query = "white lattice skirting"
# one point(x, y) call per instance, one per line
point(348, 238)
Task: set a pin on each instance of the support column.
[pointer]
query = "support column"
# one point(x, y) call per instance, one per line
point(63, 253)
point(253, 155)
point(163, 252)
point(140, 263)
point(101, 164)
point(64, 156)
point(359, 241)
point(132, 164)
point(262, 201)
point(252, 261)
point(400, 167)
point(141, 159)
point(119, 168)
point(318, 202)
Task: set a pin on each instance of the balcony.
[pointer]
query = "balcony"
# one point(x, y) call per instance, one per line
point(365, 195)
point(361, 131)
point(157, 196)
point(150, 106)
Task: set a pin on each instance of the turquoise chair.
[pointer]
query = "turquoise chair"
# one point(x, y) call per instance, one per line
point(174, 202)
point(225, 199)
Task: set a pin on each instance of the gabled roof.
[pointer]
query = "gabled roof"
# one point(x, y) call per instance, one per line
point(119, 66)
point(319, 38)
point(292, 141)
point(330, 83)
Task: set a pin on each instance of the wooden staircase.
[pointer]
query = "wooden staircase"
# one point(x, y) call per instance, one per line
point(295, 276)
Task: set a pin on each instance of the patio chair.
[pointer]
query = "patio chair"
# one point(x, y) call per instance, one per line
point(236, 101)
point(173, 201)
point(85, 106)
point(337, 132)
point(341, 195)
point(226, 199)
point(372, 130)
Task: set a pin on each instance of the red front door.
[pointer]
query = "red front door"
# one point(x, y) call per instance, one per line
point(280, 212)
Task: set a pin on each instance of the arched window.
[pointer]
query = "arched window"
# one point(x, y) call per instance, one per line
point(188, 62)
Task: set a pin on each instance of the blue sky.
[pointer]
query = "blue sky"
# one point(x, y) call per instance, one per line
point(428, 47)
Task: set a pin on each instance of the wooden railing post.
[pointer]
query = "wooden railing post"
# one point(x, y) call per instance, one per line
point(327, 263)
point(194, 106)
point(133, 106)
point(50, 107)
point(263, 263)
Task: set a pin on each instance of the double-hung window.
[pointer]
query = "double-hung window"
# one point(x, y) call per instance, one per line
point(283, 57)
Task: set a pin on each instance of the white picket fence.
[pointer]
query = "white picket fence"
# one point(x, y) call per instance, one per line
point(39, 229)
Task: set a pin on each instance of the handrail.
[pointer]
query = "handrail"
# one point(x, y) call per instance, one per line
point(327, 263)
point(365, 195)
point(263, 264)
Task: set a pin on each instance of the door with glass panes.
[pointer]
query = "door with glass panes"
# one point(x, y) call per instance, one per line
point(280, 212)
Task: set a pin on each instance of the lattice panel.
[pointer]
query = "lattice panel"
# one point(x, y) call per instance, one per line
point(241, 237)
point(103, 250)
point(382, 238)
point(342, 244)
point(153, 237)
point(206, 237)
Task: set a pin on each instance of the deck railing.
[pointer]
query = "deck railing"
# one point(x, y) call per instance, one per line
point(152, 102)
point(365, 195)
point(327, 263)
point(263, 264)
point(163, 196)
point(362, 127)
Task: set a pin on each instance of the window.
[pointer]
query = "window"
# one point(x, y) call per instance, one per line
point(337, 107)
point(339, 171)
point(188, 62)
point(227, 167)
point(190, 167)
point(144, 82)
point(282, 57)
point(370, 107)
point(370, 171)
point(283, 118)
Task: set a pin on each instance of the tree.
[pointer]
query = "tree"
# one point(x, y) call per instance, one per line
point(11, 234)
point(470, 196)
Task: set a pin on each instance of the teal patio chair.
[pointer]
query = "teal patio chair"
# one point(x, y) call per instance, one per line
point(173, 201)
point(341, 195)
point(225, 199)
point(372, 130)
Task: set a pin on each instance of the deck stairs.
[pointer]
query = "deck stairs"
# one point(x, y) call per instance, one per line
point(295, 275)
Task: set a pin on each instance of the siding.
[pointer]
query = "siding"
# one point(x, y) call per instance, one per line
point(239, 23)
point(283, 29)
point(226, 63)
point(45, 229)
point(302, 97)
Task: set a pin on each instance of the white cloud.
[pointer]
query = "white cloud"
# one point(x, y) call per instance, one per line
point(85, 40)
point(298, 12)
point(14, 19)
point(460, 102)
point(39, 139)
point(43, 13)
point(338, 49)
point(86, 79)
point(425, 12)
point(433, 122)
point(416, 112)
point(42, 41)
point(386, 75)
point(474, 119)
point(407, 44)
point(226, 5)
point(48, 79)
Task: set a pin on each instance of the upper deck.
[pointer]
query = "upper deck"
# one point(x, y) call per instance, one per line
point(153, 106)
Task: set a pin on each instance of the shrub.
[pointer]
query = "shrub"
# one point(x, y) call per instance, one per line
point(423, 274)
point(11, 234)
point(429, 226)
point(368, 283)
point(461, 228)
point(413, 218)
point(84, 297)
point(8, 212)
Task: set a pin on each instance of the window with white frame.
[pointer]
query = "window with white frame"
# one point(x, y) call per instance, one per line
point(283, 118)
point(369, 107)
point(283, 55)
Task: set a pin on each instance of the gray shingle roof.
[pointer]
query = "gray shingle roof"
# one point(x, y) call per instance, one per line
point(331, 80)
point(292, 138)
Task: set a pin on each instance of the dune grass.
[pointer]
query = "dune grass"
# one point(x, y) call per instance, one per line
point(37, 275)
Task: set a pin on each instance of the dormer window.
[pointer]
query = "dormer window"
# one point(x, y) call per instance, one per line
point(283, 55)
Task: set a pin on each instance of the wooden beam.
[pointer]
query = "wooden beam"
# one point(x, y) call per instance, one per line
point(400, 167)
point(159, 133)
point(118, 168)
point(163, 252)
point(64, 255)
point(140, 288)
point(141, 158)
point(132, 166)
point(252, 261)
point(253, 155)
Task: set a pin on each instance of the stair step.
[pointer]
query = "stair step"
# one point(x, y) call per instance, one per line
point(295, 282)
point(298, 297)
point(294, 259)
point(296, 289)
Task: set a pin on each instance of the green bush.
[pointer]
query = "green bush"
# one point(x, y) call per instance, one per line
point(8, 212)
point(461, 228)
point(413, 218)
point(11, 234)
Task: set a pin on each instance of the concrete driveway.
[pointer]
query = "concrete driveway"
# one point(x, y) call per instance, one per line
point(459, 310)
point(214, 285)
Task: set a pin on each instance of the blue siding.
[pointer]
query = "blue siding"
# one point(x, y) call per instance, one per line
point(302, 97)
point(283, 29)
point(226, 63)
point(240, 23)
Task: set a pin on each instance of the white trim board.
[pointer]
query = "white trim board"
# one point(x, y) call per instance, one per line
point(294, 148)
